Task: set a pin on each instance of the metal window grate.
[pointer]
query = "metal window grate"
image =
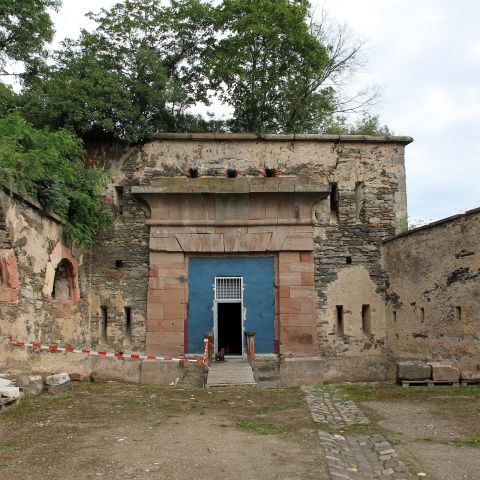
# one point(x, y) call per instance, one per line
point(229, 288)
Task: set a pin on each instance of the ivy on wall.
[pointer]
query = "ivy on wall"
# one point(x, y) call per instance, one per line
point(48, 166)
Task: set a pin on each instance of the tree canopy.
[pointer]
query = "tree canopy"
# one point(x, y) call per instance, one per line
point(148, 64)
point(25, 26)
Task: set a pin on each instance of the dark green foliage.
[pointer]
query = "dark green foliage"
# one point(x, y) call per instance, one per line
point(149, 62)
point(269, 67)
point(25, 26)
point(137, 73)
point(48, 167)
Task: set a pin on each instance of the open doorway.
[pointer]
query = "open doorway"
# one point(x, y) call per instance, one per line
point(229, 318)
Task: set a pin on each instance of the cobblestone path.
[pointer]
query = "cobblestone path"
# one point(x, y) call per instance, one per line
point(362, 458)
point(353, 457)
point(332, 408)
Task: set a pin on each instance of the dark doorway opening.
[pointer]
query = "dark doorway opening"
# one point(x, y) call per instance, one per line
point(229, 318)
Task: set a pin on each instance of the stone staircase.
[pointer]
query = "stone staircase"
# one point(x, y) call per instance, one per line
point(232, 372)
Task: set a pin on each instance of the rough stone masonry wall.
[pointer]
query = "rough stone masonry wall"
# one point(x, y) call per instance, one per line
point(31, 246)
point(434, 291)
point(118, 265)
point(370, 178)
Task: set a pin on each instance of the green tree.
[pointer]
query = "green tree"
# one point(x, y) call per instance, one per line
point(48, 167)
point(25, 26)
point(149, 62)
point(137, 73)
point(279, 69)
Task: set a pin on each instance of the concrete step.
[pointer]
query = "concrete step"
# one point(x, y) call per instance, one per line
point(234, 371)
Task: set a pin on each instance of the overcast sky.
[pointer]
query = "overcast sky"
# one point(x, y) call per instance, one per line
point(425, 57)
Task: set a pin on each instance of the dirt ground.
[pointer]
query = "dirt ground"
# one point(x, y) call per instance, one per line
point(437, 430)
point(116, 431)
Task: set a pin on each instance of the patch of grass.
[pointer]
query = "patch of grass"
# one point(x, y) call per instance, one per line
point(3, 463)
point(9, 445)
point(257, 427)
point(462, 442)
point(364, 392)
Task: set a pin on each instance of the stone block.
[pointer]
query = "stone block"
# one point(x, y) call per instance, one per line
point(470, 375)
point(59, 389)
point(5, 382)
point(10, 393)
point(413, 371)
point(159, 373)
point(57, 379)
point(79, 377)
point(444, 372)
point(30, 384)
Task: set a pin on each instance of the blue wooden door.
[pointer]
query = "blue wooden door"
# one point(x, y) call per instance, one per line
point(258, 297)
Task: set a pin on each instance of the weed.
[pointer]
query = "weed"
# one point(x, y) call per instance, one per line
point(257, 427)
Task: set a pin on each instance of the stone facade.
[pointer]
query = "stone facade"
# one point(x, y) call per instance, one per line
point(164, 218)
point(434, 291)
point(324, 207)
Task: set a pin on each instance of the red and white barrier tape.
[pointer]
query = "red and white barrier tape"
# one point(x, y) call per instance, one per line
point(88, 351)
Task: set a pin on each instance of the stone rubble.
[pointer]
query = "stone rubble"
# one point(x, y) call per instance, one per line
point(30, 384)
point(58, 383)
point(332, 408)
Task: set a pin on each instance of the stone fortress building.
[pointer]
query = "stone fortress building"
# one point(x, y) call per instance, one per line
point(293, 237)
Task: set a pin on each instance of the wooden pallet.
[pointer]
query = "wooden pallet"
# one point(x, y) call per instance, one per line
point(469, 382)
point(428, 383)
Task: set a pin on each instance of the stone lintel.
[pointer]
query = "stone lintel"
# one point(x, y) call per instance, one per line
point(230, 223)
point(255, 137)
point(222, 185)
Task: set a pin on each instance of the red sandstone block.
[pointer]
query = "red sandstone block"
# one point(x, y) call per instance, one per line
point(287, 279)
point(164, 326)
point(308, 278)
point(172, 311)
point(164, 338)
point(306, 257)
point(301, 267)
point(284, 292)
point(155, 310)
point(167, 259)
point(165, 350)
point(154, 324)
point(290, 305)
point(302, 292)
point(155, 296)
point(308, 306)
point(156, 283)
point(289, 257)
point(288, 320)
point(174, 296)
point(172, 272)
point(175, 281)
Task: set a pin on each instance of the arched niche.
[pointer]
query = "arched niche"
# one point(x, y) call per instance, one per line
point(9, 281)
point(61, 277)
